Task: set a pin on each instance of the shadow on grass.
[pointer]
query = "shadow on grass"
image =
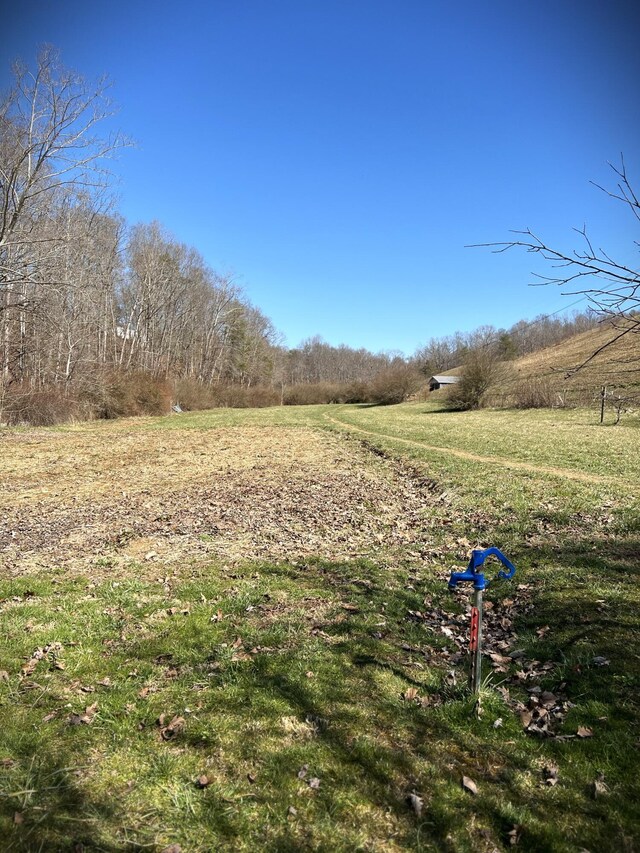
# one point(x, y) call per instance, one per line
point(372, 751)
point(44, 808)
point(349, 720)
point(592, 603)
point(444, 411)
point(441, 411)
point(374, 758)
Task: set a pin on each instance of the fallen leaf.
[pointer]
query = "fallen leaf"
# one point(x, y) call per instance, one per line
point(4, 675)
point(416, 802)
point(18, 818)
point(172, 848)
point(29, 667)
point(203, 781)
point(469, 785)
point(598, 789)
point(514, 835)
point(583, 732)
point(30, 685)
point(314, 783)
point(84, 719)
point(525, 718)
point(410, 694)
point(174, 728)
point(292, 810)
point(303, 771)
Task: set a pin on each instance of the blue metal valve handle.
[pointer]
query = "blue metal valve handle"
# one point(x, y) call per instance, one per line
point(476, 577)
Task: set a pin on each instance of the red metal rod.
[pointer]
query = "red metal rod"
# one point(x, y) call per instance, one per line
point(475, 622)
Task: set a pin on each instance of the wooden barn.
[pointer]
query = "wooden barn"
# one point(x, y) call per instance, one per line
point(437, 382)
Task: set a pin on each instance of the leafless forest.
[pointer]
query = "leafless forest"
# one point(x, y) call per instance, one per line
point(99, 317)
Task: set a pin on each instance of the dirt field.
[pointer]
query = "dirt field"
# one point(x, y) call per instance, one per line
point(104, 498)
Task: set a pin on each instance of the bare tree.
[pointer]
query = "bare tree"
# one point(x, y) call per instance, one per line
point(611, 287)
point(178, 317)
point(48, 139)
point(51, 159)
point(315, 360)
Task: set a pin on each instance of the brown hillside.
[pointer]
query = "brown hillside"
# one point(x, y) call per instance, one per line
point(617, 365)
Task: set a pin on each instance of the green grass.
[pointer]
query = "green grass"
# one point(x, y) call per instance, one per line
point(279, 667)
point(564, 438)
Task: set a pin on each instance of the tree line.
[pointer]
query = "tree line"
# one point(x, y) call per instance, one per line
point(85, 297)
point(523, 338)
point(99, 317)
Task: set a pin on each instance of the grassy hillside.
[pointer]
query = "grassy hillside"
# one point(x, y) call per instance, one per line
point(617, 366)
point(231, 630)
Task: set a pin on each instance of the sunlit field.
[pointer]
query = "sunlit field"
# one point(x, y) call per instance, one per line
point(231, 630)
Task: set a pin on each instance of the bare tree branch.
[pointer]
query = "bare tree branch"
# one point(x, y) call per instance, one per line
point(47, 138)
point(612, 288)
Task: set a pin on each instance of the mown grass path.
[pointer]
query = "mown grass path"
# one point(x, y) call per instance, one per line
point(465, 454)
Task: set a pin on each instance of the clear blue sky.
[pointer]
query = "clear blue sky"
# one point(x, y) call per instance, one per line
point(338, 156)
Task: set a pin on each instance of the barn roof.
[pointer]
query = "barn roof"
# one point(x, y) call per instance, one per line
point(445, 380)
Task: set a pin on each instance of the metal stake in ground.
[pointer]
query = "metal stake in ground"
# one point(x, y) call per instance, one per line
point(477, 578)
point(475, 643)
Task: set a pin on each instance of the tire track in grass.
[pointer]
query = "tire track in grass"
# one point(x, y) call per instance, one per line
point(475, 457)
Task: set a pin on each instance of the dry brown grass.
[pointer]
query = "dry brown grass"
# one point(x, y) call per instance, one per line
point(617, 365)
point(101, 498)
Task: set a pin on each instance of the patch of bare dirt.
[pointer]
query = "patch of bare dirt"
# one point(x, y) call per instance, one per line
point(104, 498)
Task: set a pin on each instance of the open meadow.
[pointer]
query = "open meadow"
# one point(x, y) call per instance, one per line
point(231, 630)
